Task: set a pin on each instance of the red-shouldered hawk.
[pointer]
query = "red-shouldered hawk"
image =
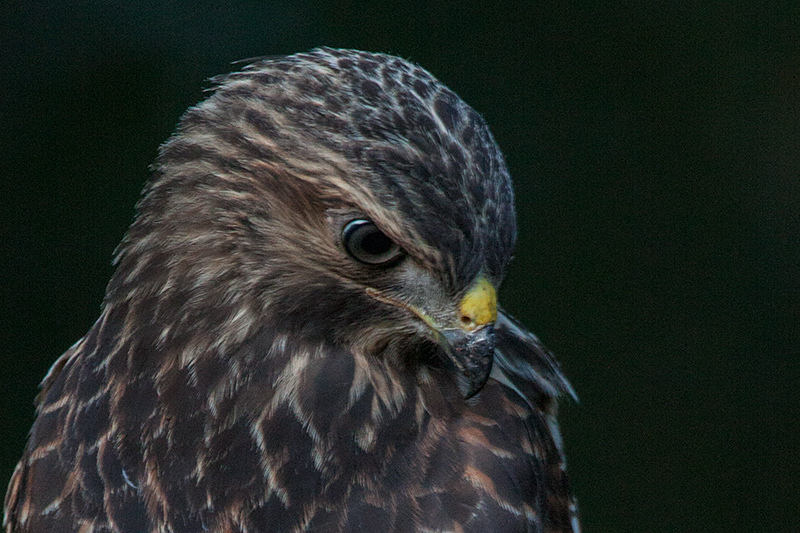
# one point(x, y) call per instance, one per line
point(302, 331)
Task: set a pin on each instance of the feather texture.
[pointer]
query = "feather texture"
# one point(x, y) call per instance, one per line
point(241, 377)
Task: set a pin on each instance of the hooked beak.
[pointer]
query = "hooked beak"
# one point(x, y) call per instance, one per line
point(471, 353)
point(468, 347)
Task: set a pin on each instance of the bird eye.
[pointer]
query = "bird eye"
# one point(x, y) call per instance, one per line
point(365, 242)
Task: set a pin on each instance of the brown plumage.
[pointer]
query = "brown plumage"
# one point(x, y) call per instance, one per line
point(301, 333)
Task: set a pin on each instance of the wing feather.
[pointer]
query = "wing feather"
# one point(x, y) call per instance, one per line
point(531, 371)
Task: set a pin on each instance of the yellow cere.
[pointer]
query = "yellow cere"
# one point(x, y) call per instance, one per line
point(479, 305)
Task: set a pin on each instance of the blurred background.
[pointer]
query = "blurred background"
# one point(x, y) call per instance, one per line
point(655, 148)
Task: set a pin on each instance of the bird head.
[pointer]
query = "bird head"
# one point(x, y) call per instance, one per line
point(347, 197)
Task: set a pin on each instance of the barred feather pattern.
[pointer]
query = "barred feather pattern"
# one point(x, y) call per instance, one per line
point(241, 379)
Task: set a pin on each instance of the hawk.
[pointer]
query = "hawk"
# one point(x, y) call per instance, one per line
point(302, 331)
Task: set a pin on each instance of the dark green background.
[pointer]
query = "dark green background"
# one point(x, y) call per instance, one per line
point(656, 152)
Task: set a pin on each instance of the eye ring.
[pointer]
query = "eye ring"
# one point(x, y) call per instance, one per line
point(366, 243)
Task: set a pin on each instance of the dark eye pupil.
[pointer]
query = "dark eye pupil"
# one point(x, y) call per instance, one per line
point(365, 242)
point(376, 243)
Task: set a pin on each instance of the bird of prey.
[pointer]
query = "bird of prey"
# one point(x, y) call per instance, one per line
point(302, 331)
